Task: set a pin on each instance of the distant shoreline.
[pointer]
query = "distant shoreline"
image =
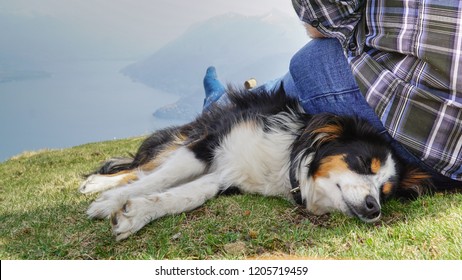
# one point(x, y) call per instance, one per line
point(22, 75)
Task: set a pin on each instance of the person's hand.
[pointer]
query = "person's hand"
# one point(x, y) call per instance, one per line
point(313, 32)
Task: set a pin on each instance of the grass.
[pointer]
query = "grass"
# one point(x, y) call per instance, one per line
point(42, 216)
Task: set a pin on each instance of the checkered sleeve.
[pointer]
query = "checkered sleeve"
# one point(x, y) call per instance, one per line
point(332, 18)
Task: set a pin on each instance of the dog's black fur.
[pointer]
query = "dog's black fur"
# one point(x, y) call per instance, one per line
point(317, 147)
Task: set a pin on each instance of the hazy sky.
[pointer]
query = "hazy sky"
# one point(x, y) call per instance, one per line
point(139, 25)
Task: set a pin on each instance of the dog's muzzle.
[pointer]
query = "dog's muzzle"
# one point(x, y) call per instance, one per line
point(369, 211)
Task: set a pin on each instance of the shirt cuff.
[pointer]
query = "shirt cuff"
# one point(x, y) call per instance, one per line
point(334, 19)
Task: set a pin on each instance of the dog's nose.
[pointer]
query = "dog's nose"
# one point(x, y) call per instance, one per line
point(372, 209)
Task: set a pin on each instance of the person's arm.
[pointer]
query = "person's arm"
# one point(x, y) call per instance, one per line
point(330, 18)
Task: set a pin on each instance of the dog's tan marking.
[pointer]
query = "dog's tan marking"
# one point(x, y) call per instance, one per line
point(129, 178)
point(180, 138)
point(331, 164)
point(149, 166)
point(387, 188)
point(168, 150)
point(159, 159)
point(416, 181)
point(332, 131)
point(414, 177)
point(118, 173)
point(376, 164)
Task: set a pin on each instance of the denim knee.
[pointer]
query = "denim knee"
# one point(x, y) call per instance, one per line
point(321, 67)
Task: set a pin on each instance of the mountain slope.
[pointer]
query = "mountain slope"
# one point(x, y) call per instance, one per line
point(239, 46)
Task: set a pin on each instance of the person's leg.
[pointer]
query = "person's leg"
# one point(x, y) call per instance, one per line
point(321, 78)
point(215, 91)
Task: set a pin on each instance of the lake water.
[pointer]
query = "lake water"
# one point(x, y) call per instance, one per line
point(81, 102)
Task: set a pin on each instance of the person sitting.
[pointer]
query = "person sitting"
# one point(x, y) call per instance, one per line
point(397, 64)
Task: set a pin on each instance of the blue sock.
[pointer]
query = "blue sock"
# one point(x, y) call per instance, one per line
point(212, 86)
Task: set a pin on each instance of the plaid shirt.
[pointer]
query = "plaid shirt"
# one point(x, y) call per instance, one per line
point(406, 56)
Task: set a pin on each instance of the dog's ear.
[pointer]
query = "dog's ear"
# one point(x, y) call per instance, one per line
point(319, 129)
point(325, 128)
point(414, 183)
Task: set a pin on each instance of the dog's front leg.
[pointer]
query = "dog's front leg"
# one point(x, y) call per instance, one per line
point(138, 211)
point(181, 166)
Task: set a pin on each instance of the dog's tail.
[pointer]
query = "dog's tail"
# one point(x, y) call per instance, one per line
point(149, 149)
point(112, 166)
point(115, 165)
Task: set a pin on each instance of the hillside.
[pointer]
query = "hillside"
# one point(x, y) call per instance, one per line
point(42, 216)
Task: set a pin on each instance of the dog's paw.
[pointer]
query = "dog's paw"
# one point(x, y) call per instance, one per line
point(105, 205)
point(97, 183)
point(131, 217)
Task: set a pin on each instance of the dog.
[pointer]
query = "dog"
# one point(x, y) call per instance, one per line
point(261, 143)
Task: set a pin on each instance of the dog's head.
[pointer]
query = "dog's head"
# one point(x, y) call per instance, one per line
point(343, 164)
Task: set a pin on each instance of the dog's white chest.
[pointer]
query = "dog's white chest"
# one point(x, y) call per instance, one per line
point(256, 160)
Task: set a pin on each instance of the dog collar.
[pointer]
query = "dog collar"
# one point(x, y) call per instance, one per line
point(297, 195)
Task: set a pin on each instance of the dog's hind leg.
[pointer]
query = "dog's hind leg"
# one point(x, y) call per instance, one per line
point(180, 166)
point(98, 182)
point(138, 211)
point(121, 173)
point(151, 154)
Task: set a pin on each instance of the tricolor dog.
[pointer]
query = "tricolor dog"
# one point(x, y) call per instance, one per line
point(259, 143)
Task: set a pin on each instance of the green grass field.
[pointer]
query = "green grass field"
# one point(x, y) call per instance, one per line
point(42, 216)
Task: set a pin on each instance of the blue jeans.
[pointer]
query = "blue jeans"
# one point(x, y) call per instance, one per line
point(321, 79)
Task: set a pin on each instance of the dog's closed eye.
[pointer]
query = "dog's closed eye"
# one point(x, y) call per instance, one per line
point(364, 164)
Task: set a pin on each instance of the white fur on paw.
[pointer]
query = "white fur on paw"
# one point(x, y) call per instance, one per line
point(105, 205)
point(99, 183)
point(131, 217)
